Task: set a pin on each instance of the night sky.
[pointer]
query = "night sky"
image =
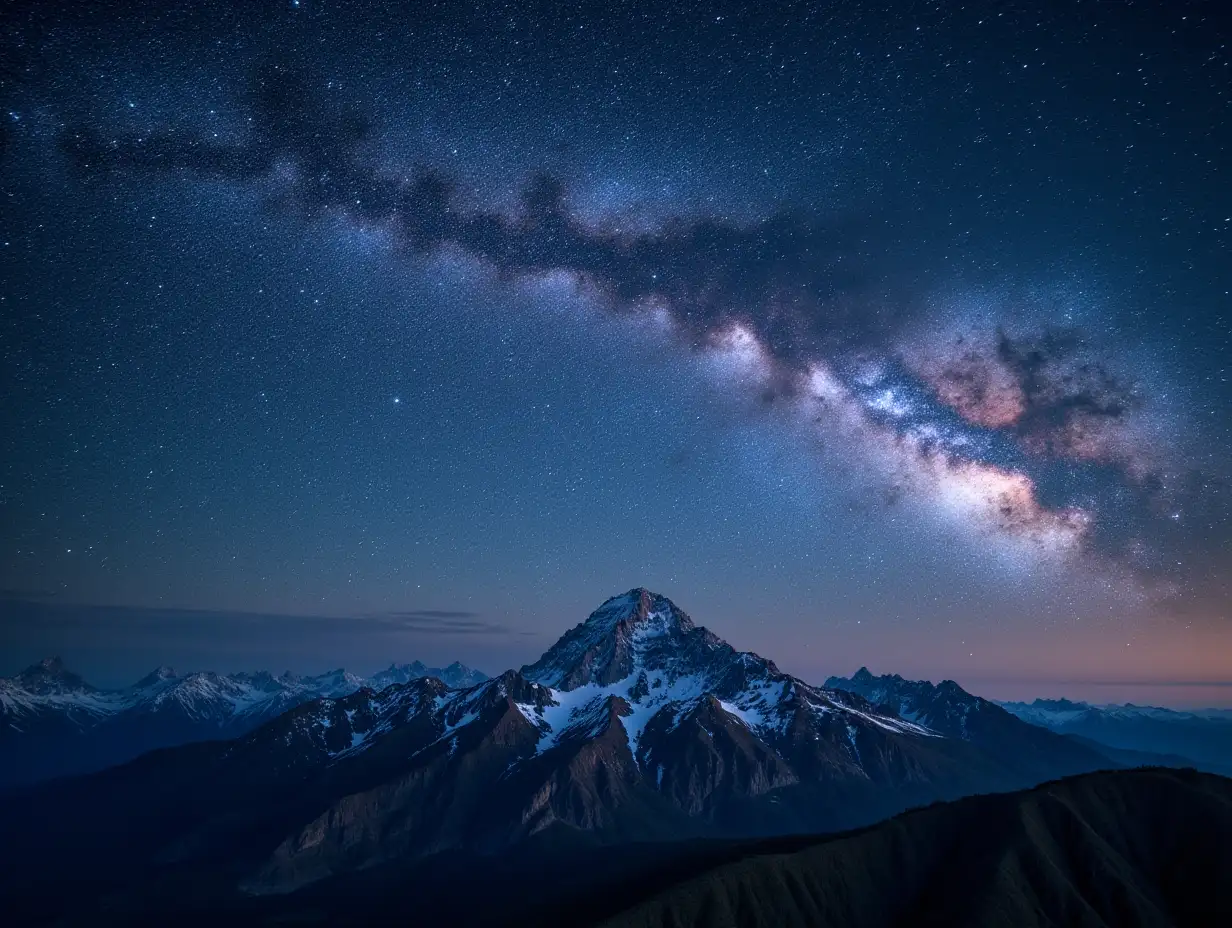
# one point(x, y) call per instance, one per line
point(886, 334)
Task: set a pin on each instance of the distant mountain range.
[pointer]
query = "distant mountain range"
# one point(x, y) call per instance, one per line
point(637, 725)
point(1203, 737)
point(1127, 735)
point(53, 723)
point(947, 709)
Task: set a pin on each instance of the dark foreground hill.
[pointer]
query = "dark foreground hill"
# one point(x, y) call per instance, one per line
point(1150, 847)
point(1144, 847)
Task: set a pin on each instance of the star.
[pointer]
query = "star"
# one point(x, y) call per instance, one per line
point(751, 318)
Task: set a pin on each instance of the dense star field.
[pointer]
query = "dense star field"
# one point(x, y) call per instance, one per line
point(891, 334)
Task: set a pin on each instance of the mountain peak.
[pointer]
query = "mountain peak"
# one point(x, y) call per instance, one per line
point(159, 675)
point(638, 608)
point(601, 649)
point(416, 667)
point(51, 676)
point(456, 676)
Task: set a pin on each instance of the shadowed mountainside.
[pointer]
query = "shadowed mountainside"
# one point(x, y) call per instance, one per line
point(1110, 850)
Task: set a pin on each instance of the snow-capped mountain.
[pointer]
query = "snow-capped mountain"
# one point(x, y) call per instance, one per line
point(637, 724)
point(456, 676)
point(1050, 712)
point(54, 723)
point(1203, 737)
point(640, 662)
point(949, 710)
point(47, 696)
point(332, 683)
point(945, 707)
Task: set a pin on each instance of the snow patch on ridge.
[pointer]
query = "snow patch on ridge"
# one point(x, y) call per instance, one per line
point(570, 707)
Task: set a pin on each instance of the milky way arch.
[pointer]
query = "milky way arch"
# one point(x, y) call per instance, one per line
point(1026, 435)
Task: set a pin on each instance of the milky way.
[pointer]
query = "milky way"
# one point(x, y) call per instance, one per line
point(822, 319)
point(1030, 436)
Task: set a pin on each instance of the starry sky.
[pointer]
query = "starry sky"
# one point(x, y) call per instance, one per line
point(892, 334)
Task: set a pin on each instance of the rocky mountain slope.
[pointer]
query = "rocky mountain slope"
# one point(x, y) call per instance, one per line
point(53, 723)
point(1142, 847)
point(948, 709)
point(636, 725)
